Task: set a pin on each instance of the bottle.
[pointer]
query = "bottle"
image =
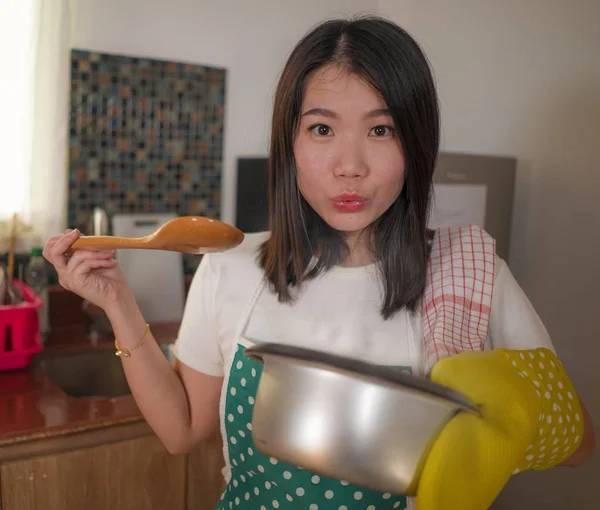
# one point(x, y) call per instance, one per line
point(36, 277)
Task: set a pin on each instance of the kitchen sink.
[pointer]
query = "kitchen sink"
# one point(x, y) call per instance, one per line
point(92, 374)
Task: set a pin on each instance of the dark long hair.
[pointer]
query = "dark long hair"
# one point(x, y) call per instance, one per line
point(391, 61)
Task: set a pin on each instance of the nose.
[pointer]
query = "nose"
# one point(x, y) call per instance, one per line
point(351, 159)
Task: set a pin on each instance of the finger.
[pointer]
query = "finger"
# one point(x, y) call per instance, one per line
point(81, 256)
point(57, 260)
point(49, 245)
point(58, 250)
point(87, 254)
point(89, 265)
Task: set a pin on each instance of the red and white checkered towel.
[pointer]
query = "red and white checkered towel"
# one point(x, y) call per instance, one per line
point(458, 296)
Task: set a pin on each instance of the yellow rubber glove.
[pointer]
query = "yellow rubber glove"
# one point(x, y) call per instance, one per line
point(531, 419)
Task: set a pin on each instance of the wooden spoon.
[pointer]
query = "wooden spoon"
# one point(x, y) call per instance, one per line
point(187, 234)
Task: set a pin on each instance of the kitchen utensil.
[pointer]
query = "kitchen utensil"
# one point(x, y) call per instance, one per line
point(187, 234)
point(155, 277)
point(3, 285)
point(348, 419)
point(11, 248)
point(15, 296)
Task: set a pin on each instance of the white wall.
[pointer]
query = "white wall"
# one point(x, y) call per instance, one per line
point(516, 77)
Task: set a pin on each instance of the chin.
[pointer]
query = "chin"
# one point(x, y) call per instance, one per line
point(348, 224)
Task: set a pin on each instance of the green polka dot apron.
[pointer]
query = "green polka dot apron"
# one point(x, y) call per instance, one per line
point(256, 481)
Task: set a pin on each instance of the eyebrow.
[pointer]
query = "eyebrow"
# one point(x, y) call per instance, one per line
point(324, 112)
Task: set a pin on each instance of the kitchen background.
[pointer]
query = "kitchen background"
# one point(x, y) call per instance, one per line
point(518, 83)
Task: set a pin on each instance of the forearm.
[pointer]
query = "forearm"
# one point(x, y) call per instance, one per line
point(157, 389)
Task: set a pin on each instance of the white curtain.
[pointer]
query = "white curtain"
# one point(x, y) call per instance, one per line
point(34, 108)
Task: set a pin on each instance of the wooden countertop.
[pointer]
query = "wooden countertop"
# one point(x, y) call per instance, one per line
point(32, 407)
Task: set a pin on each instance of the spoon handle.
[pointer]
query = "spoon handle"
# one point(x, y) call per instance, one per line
point(98, 243)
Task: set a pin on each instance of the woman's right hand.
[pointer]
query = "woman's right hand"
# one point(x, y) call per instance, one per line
point(94, 276)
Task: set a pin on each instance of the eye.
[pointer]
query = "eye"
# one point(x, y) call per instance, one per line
point(381, 131)
point(321, 130)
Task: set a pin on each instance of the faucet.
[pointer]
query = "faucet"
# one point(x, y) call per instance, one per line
point(97, 323)
point(99, 222)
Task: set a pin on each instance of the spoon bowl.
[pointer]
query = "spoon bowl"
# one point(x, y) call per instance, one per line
point(186, 234)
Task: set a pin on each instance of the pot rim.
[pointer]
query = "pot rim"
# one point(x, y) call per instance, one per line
point(379, 374)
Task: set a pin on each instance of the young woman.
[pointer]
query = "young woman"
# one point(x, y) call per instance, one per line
point(349, 267)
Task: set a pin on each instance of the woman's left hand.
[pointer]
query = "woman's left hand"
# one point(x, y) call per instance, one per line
point(530, 419)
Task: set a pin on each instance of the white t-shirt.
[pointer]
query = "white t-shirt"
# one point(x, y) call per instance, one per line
point(337, 312)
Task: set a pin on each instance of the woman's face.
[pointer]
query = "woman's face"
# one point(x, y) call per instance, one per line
point(349, 158)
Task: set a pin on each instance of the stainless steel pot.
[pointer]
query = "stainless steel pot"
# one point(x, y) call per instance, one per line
point(350, 420)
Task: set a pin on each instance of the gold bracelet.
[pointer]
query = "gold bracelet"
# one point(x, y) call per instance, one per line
point(127, 352)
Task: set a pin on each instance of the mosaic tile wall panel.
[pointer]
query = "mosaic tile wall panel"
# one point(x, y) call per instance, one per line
point(145, 136)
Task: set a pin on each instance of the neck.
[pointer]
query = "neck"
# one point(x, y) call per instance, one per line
point(359, 253)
